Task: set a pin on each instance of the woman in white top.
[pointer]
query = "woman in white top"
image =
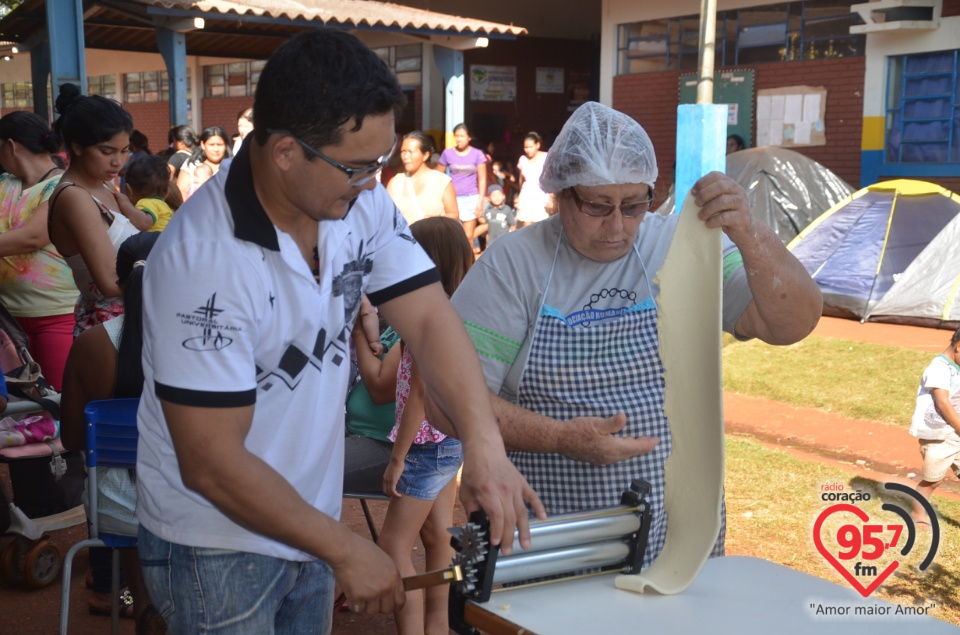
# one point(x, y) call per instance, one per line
point(532, 201)
point(244, 127)
point(87, 221)
point(421, 191)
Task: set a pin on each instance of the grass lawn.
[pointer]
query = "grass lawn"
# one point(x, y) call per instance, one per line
point(853, 379)
point(773, 500)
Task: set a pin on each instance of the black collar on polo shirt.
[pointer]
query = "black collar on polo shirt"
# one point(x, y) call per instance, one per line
point(250, 220)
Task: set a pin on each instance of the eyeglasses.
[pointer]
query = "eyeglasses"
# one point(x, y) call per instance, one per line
point(599, 210)
point(355, 176)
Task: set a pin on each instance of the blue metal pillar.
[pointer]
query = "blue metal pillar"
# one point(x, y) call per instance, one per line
point(701, 145)
point(450, 63)
point(39, 72)
point(173, 48)
point(65, 35)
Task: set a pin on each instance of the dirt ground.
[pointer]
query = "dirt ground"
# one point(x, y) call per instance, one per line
point(880, 451)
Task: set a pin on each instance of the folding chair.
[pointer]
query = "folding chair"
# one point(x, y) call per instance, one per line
point(363, 497)
point(111, 443)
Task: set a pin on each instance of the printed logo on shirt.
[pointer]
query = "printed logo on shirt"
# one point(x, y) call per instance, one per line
point(349, 283)
point(205, 318)
point(296, 358)
point(400, 226)
point(591, 313)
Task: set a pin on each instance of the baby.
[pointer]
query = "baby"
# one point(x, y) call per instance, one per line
point(201, 174)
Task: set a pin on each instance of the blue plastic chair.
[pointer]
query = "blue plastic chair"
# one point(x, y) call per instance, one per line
point(111, 443)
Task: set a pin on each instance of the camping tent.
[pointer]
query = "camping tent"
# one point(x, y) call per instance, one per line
point(786, 189)
point(887, 253)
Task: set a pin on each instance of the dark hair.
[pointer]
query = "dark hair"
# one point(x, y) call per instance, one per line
point(136, 248)
point(461, 126)
point(87, 121)
point(139, 141)
point(246, 113)
point(446, 244)
point(533, 136)
point(199, 156)
point(173, 197)
point(738, 140)
point(149, 175)
point(318, 81)
point(955, 339)
point(29, 130)
point(184, 134)
point(426, 141)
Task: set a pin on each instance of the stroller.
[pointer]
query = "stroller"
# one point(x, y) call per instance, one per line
point(31, 558)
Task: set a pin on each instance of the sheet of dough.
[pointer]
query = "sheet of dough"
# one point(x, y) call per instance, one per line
point(689, 325)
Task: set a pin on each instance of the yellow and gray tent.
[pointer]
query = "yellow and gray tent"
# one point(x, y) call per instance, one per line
point(888, 253)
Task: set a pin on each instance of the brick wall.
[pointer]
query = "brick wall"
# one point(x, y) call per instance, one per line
point(506, 123)
point(153, 120)
point(222, 111)
point(652, 99)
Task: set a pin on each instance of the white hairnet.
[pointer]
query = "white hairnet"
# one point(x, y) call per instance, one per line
point(599, 146)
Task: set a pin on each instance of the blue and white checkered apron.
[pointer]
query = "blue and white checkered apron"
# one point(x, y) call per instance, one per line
point(599, 370)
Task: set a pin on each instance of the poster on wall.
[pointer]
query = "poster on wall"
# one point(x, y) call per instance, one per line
point(791, 116)
point(549, 80)
point(732, 87)
point(493, 83)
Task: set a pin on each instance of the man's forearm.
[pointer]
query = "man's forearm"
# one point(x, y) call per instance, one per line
point(524, 430)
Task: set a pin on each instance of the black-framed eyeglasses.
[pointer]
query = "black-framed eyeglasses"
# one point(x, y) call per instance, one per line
point(355, 176)
point(599, 210)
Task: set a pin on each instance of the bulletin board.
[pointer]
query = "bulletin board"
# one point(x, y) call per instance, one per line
point(733, 87)
point(791, 116)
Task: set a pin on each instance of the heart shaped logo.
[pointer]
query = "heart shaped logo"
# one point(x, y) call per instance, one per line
point(829, 557)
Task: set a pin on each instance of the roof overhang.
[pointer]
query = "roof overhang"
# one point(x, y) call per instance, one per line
point(252, 28)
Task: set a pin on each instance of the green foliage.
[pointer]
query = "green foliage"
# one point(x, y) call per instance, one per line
point(852, 379)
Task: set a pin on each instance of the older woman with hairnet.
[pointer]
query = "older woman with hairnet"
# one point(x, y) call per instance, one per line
point(562, 314)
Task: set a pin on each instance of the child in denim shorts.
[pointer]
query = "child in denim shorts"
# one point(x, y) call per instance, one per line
point(420, 475)
point(936, 423)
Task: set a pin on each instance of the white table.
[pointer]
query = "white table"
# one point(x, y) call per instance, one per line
point(736, 594)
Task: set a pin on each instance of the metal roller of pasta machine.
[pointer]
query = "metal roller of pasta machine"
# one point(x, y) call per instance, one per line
point(592, 542)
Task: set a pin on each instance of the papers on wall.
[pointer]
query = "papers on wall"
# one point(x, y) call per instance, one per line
point(791, 116)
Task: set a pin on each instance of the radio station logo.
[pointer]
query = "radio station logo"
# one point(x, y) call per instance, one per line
point(859, 545)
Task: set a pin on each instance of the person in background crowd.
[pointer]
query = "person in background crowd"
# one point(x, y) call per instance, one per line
point(183, 141)
point(114, 348)
point(498, 217)
point(36, 284)
point(420, 477)
point(936, 424)
point(213, 149)
point(420, 191)
point(735, 143)
point(532, 201)
point(87, 220)
point(465, 165)
point(244, 127)
point(148, 184)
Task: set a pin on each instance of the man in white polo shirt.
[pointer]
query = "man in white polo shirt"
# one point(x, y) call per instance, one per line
point(249, 300)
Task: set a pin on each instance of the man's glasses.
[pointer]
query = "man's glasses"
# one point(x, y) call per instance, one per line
point(355, 176)
point(629, 210)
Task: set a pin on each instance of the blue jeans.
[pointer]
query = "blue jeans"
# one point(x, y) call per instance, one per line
point(202, 590)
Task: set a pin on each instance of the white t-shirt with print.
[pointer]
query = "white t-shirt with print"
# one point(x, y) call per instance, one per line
point(927, 422)
point(234, 317)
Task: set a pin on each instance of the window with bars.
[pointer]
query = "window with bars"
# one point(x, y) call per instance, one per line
point(103, 85)
point(923, 108)
point(792, 31)
point(236, 79)
point(17, 94)
point(406, 62)
point(147, 86)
